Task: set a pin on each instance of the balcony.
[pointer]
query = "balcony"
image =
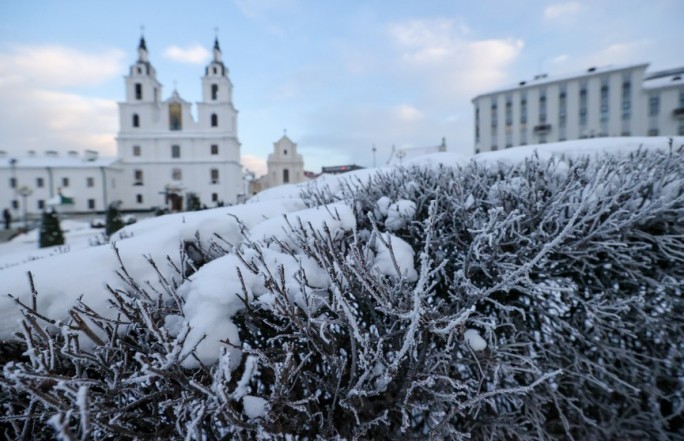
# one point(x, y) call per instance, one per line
point(678, 112)
point(542, 129)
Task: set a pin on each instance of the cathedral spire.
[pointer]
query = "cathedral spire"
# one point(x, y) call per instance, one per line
point(142, 49)
point(217, 50)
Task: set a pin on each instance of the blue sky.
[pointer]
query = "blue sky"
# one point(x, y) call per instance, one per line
point(340, 76)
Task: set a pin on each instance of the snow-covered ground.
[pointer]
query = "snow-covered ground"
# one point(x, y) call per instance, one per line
point(79, 268)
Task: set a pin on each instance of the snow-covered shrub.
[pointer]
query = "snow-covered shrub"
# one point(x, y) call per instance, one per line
point(541, 300)
point(572, 264)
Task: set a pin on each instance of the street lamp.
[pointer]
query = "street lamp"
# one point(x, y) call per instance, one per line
point(25, 191)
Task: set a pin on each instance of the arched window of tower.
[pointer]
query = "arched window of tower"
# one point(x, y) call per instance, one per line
point(214, 91)
point(136, 120)
point(214, 120)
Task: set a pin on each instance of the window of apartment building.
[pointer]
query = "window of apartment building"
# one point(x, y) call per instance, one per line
point(494, 115)
point(562, 113)
point(41, 204)
point(542, 106)
point(175, 151)
point(13, 182)
point(494, 147)
point(90, 182)
point(509, 111)
point(136, 150)
point(139, 198)
point(562, 107)
point(523, 110)
point(680, 127)
point(583, 104)
point(136, 120)
point(652, 132)
point(626, 97)
point(681, 98)
point(214, 149)
point(40, 182)
point(138, 91)
point(214, 173)
point(65, 182)
point(653, 105)
point(604, 99)
point(91, 204)
point(137, 177)
point(477, 124)
point(176, 174)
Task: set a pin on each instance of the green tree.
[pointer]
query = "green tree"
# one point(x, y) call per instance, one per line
point(113, 222)
point(50, 230)
point(194, 203)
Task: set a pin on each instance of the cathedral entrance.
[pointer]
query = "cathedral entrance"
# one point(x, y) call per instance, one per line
point(174, 202)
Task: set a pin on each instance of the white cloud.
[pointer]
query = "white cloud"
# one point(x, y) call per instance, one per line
point(35, 114)
point(619, 53)
point(439, 55)
point(561, 10)
point(254, 164)
point(58, 66)
point(196, 54)
point(560, 58)
point(407, 113)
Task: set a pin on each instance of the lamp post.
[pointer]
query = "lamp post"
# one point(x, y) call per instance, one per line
point(25, 191)
point(13, 164)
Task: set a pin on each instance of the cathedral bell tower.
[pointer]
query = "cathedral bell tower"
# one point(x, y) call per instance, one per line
point(216, 109)
point(141, 83)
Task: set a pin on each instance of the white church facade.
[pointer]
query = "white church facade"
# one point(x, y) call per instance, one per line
point(284, 165)
point(164, 153)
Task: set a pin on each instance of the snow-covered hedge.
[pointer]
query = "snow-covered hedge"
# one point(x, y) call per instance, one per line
point(536, 300)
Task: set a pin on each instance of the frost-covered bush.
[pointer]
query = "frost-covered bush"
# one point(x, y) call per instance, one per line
point(541, 300)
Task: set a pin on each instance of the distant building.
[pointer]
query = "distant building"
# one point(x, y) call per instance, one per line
point(284, 165)
point(165, 153)
point(397, 156)
point(338, 169)
point(69, 183)
point(607, 101)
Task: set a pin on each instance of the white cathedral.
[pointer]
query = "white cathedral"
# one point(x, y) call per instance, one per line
point(165, 153)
